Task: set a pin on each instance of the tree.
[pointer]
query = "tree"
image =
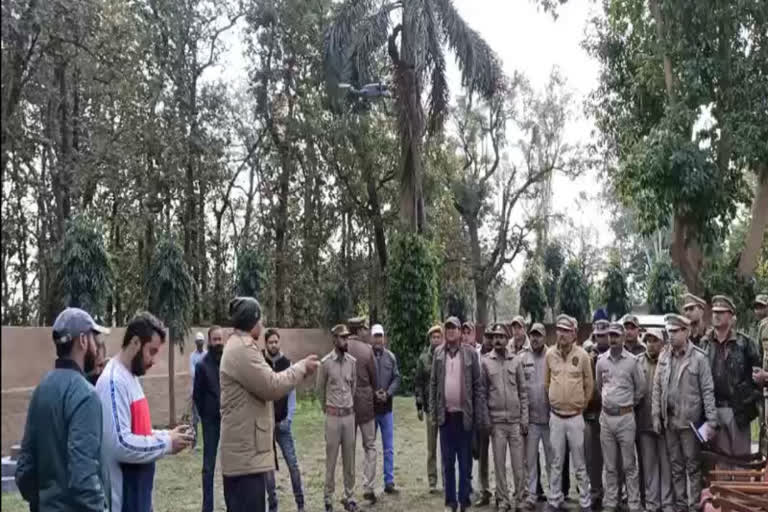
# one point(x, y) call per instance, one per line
point(677, 61)
point(84, 276)
point(170, 287)
point(664, 288)
point(411, 299)
point(554, 259)
point(614, 288)
point(361, 28)
point(573, 293)
point(533, 300)
point(250, 270)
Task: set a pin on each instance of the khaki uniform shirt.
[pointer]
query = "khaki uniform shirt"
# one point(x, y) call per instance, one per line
point(337, 380)
point(569, 380)
point(620, 380)
point(506, 388)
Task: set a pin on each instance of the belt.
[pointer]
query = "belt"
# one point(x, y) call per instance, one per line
point(618, 411)
point(565, 416)
point(338, 411)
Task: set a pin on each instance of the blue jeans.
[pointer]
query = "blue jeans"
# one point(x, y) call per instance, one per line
point(284, 439)
point(211, 429)
point(385, 423)
point(455, 443)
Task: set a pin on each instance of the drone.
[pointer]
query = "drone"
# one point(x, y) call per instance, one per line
point(368, 91)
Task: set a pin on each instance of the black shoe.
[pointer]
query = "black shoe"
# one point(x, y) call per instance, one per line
point(350, 506)
point(390, 489)
point(370, 497)
point(484, 500)
point(541, 497)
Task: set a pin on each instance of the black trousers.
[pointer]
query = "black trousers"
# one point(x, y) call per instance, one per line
point(211, 429)
point(246, 493)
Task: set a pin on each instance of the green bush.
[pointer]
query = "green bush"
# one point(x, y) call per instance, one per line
point(573, 295)
point(664, 288)
point(614, 289)
point(533, 300)
point(412, 305)
point(170, 288)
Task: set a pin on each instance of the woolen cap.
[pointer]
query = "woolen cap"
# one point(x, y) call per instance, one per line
point(690, 300)
point(676, 321)
point(452, 321)
point(539, 328)
point(761, 300)
point(377, 330)
point(244, 310)
point(199, 336)
point(340, 330)
point(721, 303)
point(519, 320)
point(71, 323)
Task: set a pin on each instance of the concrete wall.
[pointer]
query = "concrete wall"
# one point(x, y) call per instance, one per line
point(27, 353)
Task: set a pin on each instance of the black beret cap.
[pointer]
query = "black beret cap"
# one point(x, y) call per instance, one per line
point(245, 312)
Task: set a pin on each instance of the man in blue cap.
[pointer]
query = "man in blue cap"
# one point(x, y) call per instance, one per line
point(59, 465)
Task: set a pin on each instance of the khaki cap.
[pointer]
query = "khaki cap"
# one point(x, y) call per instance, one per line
point(761, 300)
point(721, 303)
point(435, 328)
point(358, 322)
point(452, 321)
point(690, 300)
point(654, 332)
point(340, 330)
point(519, 320)
point(630, 319)
point(497, 329)
point(539, 328)
point(676, 321)
point(616, 328)
point(468, 325)
point(566, 322)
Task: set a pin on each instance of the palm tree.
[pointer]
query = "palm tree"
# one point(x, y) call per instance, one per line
point(362, 28)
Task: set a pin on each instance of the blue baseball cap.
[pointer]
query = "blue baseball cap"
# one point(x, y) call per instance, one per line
point(71, 323)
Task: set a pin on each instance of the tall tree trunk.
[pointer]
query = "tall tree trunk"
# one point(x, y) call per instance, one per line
point(281, 234)
point(686, 253)
point(758, 225)
point(62, 178)
point(478, 272)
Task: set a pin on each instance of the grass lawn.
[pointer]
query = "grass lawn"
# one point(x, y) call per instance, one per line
point(178, 486)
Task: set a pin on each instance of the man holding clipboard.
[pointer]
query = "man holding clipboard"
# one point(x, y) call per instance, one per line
point(683, 394)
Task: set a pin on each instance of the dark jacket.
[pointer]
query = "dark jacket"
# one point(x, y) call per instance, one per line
point(594, 406)
point(59, 467)
point(366, 379)
point(206, 391)
point(742, 357)
point(473, 394)
point(278, 365)
point(387, 378)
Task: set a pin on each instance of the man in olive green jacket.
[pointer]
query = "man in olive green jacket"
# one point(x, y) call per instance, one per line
point(248, 388)
point(421, 384)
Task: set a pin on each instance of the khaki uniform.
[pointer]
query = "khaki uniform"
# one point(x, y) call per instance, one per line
point(621, 384)
point(421, 385)
point(569, 382)
point(683, 392)
point(336, 384)
point(506, 409)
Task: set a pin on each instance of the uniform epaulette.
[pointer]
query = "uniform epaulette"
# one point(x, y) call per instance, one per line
point(351, 357)
point(327, 356)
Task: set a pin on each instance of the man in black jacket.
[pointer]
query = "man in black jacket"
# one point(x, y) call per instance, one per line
point(59, 466)
point(284, 409)
point(206, 393)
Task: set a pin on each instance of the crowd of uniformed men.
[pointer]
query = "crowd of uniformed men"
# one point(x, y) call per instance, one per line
point(626, 411)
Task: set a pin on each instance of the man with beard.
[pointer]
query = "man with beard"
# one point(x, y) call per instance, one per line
point(284, 408)
point(693, 309)
point(621, 384)
point(365, 417)
point(131, 446)
point(195, 357)
point(683, 393)
point(732, 356)
point(535, 367)
point(206, 395)
point(569, 382)
point(99, 363)
point(59, 466)
point(456, 397)
point(388, 380)
point(652, 449)
point(421, 385)
point(335, 387)
point(593, 450)
point(506, 411)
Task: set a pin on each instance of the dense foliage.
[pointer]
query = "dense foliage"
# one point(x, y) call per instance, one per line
point(573, 293)
point(614, 289)
point(664, 288)
point(533, 301)
point(411, 300)
point(170, 288)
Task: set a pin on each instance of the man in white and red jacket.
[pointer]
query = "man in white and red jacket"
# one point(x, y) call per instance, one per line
point(130, 445)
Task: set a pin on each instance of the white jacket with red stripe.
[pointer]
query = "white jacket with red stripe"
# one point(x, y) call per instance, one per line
point(130, 446)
